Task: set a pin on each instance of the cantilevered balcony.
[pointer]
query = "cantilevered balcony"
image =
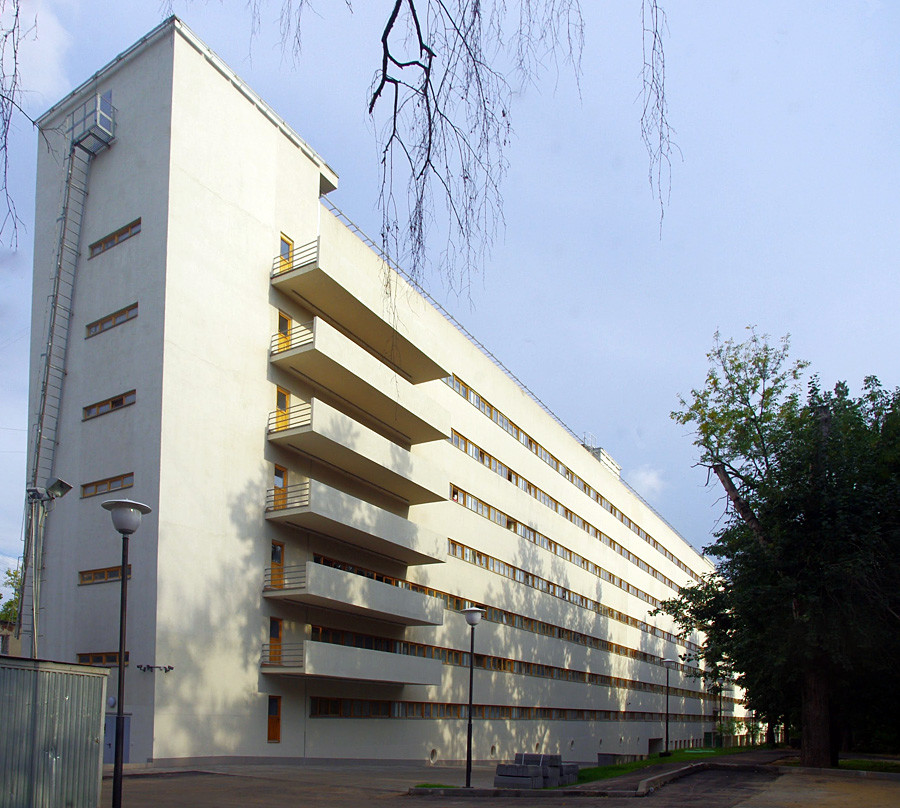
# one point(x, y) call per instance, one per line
point(317, 585)
point(317, 429)
point(330, 661)
point(313, 505)
point(324, 278)
point(322, 356)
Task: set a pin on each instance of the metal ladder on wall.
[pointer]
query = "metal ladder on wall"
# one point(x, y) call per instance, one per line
point(91, 129)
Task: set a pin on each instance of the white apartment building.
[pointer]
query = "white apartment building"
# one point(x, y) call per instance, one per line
point(334, 471)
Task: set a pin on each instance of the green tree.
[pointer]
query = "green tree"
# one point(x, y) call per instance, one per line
point(9, 611)
point(803, 607)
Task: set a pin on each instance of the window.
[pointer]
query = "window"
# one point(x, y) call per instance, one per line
point(275, 640)
point(111, 320)
point(285, 253)
point(110, 241)
point(282, 407)
point(107, 485)
point(109, 404)
point(280, 485)
point(102, 659)
point(101, 576)
point(274, 728)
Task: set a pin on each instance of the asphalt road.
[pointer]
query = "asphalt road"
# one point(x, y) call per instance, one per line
point(343, 786)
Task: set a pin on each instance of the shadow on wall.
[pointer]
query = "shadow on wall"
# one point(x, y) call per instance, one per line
point(211, 632)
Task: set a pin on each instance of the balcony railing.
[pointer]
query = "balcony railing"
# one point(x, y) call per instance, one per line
point(300, 334)
point(291, 496)
point(296, 416)
point(288, 654)
point(301, 256)
point(290, 577)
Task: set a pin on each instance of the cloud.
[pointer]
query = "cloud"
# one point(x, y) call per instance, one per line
point(647, 480)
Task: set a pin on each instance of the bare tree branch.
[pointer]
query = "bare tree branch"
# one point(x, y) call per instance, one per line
point(11, 36)
point(655, 129)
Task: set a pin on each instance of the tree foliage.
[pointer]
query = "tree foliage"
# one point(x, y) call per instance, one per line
point(803, 607)
point(12, 579)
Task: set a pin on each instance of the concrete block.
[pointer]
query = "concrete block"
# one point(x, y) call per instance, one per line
point(504, 781)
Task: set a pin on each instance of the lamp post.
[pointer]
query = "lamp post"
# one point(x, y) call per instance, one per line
point(473, 617)
point(669, 665)
point(39, 499)
point(126, 517)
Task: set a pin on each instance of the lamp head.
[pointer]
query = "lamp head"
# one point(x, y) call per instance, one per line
point(126, 514)
point(58, 488)
point(473, 615)
point(669, 663)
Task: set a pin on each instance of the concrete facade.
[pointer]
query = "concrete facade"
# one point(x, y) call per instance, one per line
point(334, 471)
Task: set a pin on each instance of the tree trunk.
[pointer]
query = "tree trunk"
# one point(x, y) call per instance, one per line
point(815, 745)
point(770, 732)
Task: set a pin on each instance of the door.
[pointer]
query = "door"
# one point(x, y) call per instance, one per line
point(279, 499)
point(282, 405)
point(275, 640)
point(274, 729)
point(109, 738)
point(284, 331)
point(276, 576)
point(286, 254)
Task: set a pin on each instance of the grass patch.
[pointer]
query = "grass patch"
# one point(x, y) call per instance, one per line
point(594, 773)
point(863, 765)
point(434, 785)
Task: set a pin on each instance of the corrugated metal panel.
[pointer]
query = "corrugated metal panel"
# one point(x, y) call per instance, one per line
point(51, 741)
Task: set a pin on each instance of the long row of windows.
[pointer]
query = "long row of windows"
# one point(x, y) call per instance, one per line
point(374, 708)
point(111, 320)
point(526, 440)
point(503, 617)
point(452, 656)
point(530, 534)
point(102, 659)
point(110, 241)
point(101, 576)
point(108, 484)
point(476, 452)
point(109, 404)
point(499, 567)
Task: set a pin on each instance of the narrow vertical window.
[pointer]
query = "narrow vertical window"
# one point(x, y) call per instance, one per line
point(274, 640)
point(284, 331)
point(274, 728)
point(276, 576)
point(285, 254)
point(282, 405)
point(280, 484)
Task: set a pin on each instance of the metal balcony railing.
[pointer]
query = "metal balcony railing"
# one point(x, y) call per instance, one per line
point(291, 496)
point(287, 654)
point(301, 256)
point(298, 335)
point(298, 415)
point(285, 577)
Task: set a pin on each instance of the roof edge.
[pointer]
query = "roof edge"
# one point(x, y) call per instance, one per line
point(179, 26)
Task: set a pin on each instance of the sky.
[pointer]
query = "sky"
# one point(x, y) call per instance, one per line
point(783, 212)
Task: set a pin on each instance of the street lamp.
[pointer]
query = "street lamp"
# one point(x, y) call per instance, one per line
point(669, 664)
point(38, 498)
point(473, 617)
point(126, 517)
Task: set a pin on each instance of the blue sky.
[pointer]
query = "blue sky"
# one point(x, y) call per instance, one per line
point(783, 211)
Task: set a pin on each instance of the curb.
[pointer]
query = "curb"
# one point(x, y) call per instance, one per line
point(649, 785)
